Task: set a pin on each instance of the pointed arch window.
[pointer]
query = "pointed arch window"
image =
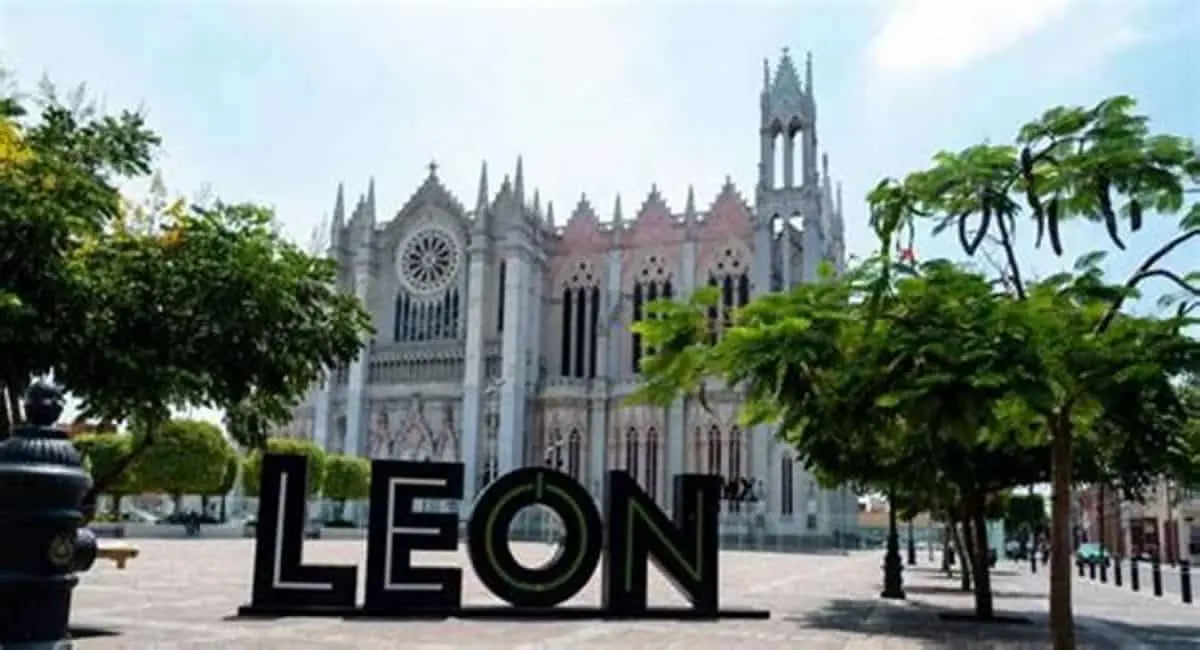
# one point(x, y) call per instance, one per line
point(649, 479)
point(652, 282)
point(500, 278)
point(631, 452)
point(419, 318)
point(731, 276)
point(578, 344)
point(713, 460)
point(735, 470)
point(787, 486)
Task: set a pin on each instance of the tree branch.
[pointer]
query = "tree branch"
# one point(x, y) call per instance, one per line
point(1011, 256)
point(1142, 273)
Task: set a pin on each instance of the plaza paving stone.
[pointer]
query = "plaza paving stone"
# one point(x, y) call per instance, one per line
point(181, 594)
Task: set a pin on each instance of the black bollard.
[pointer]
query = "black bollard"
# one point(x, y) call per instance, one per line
point(1032, 561)
point(1092, 570)
point(1134, 580)
point(42, 544)
point(1156, 575)
point(1185, 580)
point(893, 565)
point(1104, 570)
point(1117, 571)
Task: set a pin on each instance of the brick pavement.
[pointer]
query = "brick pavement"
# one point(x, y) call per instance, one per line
point(180, 594)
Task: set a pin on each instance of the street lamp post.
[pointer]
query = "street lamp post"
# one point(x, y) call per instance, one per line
point(893, 569)
point(1185, 557)
point(912, 544)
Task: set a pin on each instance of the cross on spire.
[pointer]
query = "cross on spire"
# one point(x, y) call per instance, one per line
point(433, 167)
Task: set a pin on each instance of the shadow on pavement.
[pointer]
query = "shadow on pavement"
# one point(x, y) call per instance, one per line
point(955, 590)
point(1159, 636)
point(940, 627)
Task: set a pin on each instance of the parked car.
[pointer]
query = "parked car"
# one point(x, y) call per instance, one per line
point(1092, 553)
point(312, 530)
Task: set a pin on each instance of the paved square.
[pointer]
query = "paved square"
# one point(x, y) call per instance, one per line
point(179, 593)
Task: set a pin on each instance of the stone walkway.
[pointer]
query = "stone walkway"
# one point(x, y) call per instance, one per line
point(180, 594)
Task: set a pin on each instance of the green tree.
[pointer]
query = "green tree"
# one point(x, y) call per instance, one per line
point(190, 457)
point(252, 469)
point(1025, 514)
point(138, 309)
point(346, 478)
point(908, 405)
point(103, 452)
point(60, 168)
point(1099, 164)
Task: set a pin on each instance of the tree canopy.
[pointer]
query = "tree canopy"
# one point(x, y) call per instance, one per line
point(943, 384)
point(190, 457)
point(1100, 164)
point(138, 309)
point(252, 466)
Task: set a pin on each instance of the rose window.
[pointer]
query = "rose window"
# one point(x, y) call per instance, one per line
point(428, 261)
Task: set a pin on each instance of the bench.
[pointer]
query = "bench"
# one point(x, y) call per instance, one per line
point(118, 553)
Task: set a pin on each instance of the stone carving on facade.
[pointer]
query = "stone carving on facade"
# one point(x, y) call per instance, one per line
point(403, 430)
point(445, 441)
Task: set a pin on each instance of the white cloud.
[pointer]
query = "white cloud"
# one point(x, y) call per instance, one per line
point(929, 37)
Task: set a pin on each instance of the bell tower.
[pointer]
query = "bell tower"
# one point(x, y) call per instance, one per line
point(787, 196)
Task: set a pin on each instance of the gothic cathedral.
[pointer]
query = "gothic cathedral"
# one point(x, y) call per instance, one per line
point(503, 334)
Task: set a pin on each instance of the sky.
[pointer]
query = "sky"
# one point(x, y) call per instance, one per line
point(276, 102)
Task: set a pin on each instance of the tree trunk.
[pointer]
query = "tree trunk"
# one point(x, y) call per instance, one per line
point(6, 422)
point(947, 543)
point(16, 392)
point(962, 541)
point(116, 506)
point(984, 606)
point(1062, 620)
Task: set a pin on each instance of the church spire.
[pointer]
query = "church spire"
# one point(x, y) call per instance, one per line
point(519, 183)
point(371, 200)
point(618, 220)
point(481, 200)
point(808, 73)
point(339, 207)
point(689, 209)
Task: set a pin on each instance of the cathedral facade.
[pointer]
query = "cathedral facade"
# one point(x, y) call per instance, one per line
point(503, 331)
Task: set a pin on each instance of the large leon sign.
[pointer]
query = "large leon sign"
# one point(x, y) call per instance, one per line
point(638, 532)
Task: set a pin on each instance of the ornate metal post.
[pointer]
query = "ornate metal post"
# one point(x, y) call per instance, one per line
point(893, 566)
point(42, 543)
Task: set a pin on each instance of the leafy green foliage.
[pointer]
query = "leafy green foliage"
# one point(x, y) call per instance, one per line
point(347, 477)
point(252, 469)
point(1109, 376)
point(103, 452)
point(173, 293)
point(59, 173)
point(190, 457)
point(138, 310)
point(1025, 512)
point(233, 463)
